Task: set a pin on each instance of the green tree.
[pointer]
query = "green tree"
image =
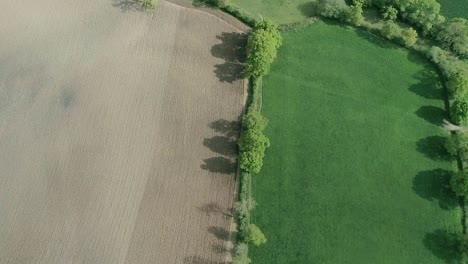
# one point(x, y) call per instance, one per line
point(457, 78)
point(254, 235)
point(459, 111)
point(262, 48)
point(355, 14)
point(409, 36)
point(389, 12)
point(454, 36)
point(390, 30)
point(457, 144)
point(459, 183)
point(424, 14)
point(252, 145)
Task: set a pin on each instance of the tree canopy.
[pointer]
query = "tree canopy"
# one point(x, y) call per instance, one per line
point(261, 48)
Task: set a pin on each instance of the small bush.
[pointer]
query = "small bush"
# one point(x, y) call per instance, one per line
point(459, 111)
point(254, 235)
point(148, 4)
point(255, 120)
point(438, 56)
point(390, 30)
point(409, 37)
point(337, 9)
point(241, 259)
point(459, 183)
point(243, 207)
point(389, 13)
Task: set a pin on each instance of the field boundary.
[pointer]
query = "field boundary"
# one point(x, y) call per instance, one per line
point(225, 17)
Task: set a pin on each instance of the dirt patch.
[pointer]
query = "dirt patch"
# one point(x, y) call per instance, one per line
point(108, 147)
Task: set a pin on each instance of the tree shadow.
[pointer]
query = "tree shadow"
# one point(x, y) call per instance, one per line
point(308, 9)
point(219, 165)
point(219, 249)
point(444, 245)
point(219, 232)
point(433, 147)
point(232, 51)
point(432, 114)
point(434, 185)
point(229, 71)
point(428, 85)
point(128, 5)
point(215, 209)
point(222, 145)
point(373, 37)
point(225, 127)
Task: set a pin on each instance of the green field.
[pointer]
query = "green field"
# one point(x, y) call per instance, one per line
point(280, 11)
point(454, 8)
point(356, 169)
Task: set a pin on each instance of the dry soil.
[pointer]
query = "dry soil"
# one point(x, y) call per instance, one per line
point(117, 132)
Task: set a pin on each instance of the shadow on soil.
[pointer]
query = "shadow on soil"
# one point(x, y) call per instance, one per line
point(200, 260)
point(232, 51)
point(225, 127)
point(127, 5)
point(215, 209)
point(444, 245)
point(433, 148)
point(224, 144)
point(433, 185)
point(219, 233)
point(219, 165)
point(432, 114)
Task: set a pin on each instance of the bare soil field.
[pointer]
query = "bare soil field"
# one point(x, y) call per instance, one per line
point(117, 132)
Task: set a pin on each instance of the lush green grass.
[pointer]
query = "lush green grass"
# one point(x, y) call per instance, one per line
point(356, 169)
point(454, 8)
point(280, 11)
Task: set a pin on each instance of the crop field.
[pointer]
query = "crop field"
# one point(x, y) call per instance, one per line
point(356, 167)
point(117, 132)
point(454, 8)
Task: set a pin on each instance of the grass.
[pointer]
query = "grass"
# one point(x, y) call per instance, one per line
point(356, 169)
point(454, 8)
point(280, 11)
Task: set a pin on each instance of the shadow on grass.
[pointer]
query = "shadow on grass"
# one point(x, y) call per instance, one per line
point(444, 245)
point(428, 85)
point(434, 185)
point(308, 9)
point(232, 51)
point(219, 165)
point(128, 5)
point(433, 147)
point(432, 114)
